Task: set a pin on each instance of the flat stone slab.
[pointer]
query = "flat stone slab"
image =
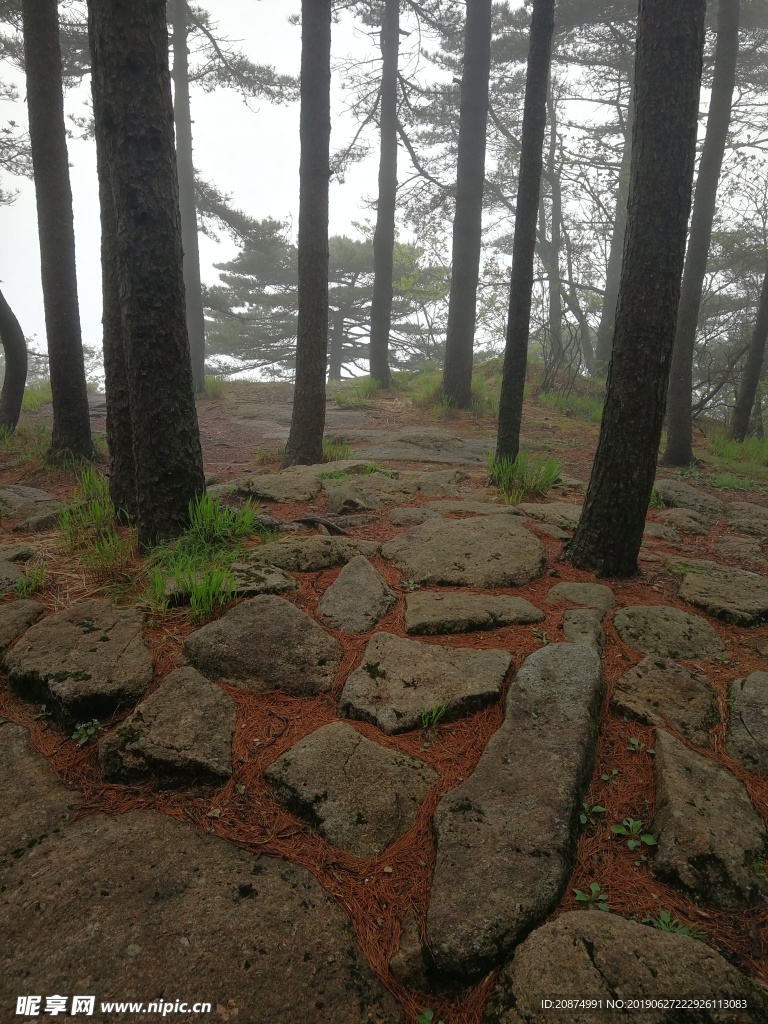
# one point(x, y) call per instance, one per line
point(363, 493)
point(440, 483)
point(712, 842)
point(399, 679)
point(311, 554)
point(669, 632)
point(506, 836)
point(428, 444)
point(181, 733)
point(587, 595)
point(357, 598)
point(295, 484)
point(680, 495)
point(687, 520)
point(742, 549)
point(480, 552)
point(559, 513)
point(747, 735)
point(472, 507)
point(658, 691)
point(15, 617)
point(456, 612)
point(584, 626)
point(84, 661)
point(158, 901)
point(411, 516)
point(359, 795)
point(733, 595)
point(611, 957)
point(20, 502)
point(747, 517)
point(264, 644)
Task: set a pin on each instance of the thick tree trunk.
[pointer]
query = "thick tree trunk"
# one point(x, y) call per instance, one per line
point(605, 328)
point(750, 378)
point(384, 235)
point(667, 83)
point(305, 440)
point(15, 351)
point(468, 218)
point(183, 119)
point(524, 244)
point(134, 127)
point(679, 450)
point(45, 103)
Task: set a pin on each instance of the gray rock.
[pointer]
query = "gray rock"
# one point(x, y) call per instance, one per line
point(559, 513)
point(295, 484)
point(472, 507)
point(15, 617)
point(181, 733)
point(40, 522)
point(156, 898)
point(747, 735)
point(441, 483)
point(455, 612)
point(359, 795)
point(588, 595)
point(428, 444)
point(680, 495)
point(408, 962)
point(481, 552)
point(266, 644)
point(687, 520)
point(584, 626)
point(411, 516)
point(362, 493)
point(609, 957)
point(84, 661)
point(733, 595)
point(17, 552)
point(357, 598)
point(669, 632)
point(21, 502)
point(741, 549)
point(658, 691)
point(712, 843)
point(506, 836)
point(311, 554)
point(656, 531)
point(746, 517)
point(10, 574)
point(548, 529)
point(399, 679)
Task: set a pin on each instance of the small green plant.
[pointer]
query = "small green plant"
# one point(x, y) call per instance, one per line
point(335, 451)
point(427, 1017)
point(594, 898)
point(409, 584)
point(32, 580)
point(589, 812)
point(635, 746)
point(109, 553)
point(90, 512)
point(540, 635)
point(212, 524)
point(632, 829)
point(610, 776)
point(656, 499)
point(373, 467)
point(578, 406)
point(43, 713)
point(666, 923)
point(209, 590)
point(430, 717)
point(522, 477)
point(6, 433)
point(86, 731)
point(214, 386)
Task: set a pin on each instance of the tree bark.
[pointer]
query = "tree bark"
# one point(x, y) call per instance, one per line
point(524, 243)
point(184, 161)
point(467, 221)
point(337, 346)
point(384, 235)
point(305, 440)
point(134, 127)
point(15, 351)
point(667, 83)
point(552, 248)
point(679, 450)
point(750, 378)
point(42, 54)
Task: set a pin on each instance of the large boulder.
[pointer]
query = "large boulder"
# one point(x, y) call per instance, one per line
point(585, 595)
point(747, 517)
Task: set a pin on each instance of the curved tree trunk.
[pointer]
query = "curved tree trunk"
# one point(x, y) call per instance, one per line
point(667, 83)
point(305, 440)
point(15, 351)
point(183, 119)
point(679, 450)
point(384, 235)
point(750, 378)
point(524, 244)
point(45, 102)
point(134, 127)
point(468, 218)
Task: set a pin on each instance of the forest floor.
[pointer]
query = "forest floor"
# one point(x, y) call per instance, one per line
point(242, 429)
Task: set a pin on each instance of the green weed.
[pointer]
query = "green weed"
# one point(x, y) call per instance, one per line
point(588, 812)
point(594, 898)
point(335, 451)
point(656, 499)
point(214, 524)
point(32, 580)
point(87, 731)
point(523, 476)
point(430, 717)
point(427, 1017)
point(636, 747)
point(727, 481)
point(90, 512)
point(666, 923)
point(109, 553)
point(214, 386)
point(632, 829)
point(214, 588)
point(334, 474)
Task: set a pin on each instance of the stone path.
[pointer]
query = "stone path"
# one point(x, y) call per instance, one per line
point(103, 903)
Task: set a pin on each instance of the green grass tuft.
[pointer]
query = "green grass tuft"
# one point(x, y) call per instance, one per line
point(523, 477)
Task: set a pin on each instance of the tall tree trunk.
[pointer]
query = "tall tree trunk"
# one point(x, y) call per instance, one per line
point(667, 82)
point(524, 244)
point(183, 119)
point(45, 103)
point(605, 328)
point(15, 351)
point(554, 289)
point(337, 346)
point(679, 450)
point(750, 378)
point(305, 440)
point(384, 235)
point(468, 218)
point(134, 127)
